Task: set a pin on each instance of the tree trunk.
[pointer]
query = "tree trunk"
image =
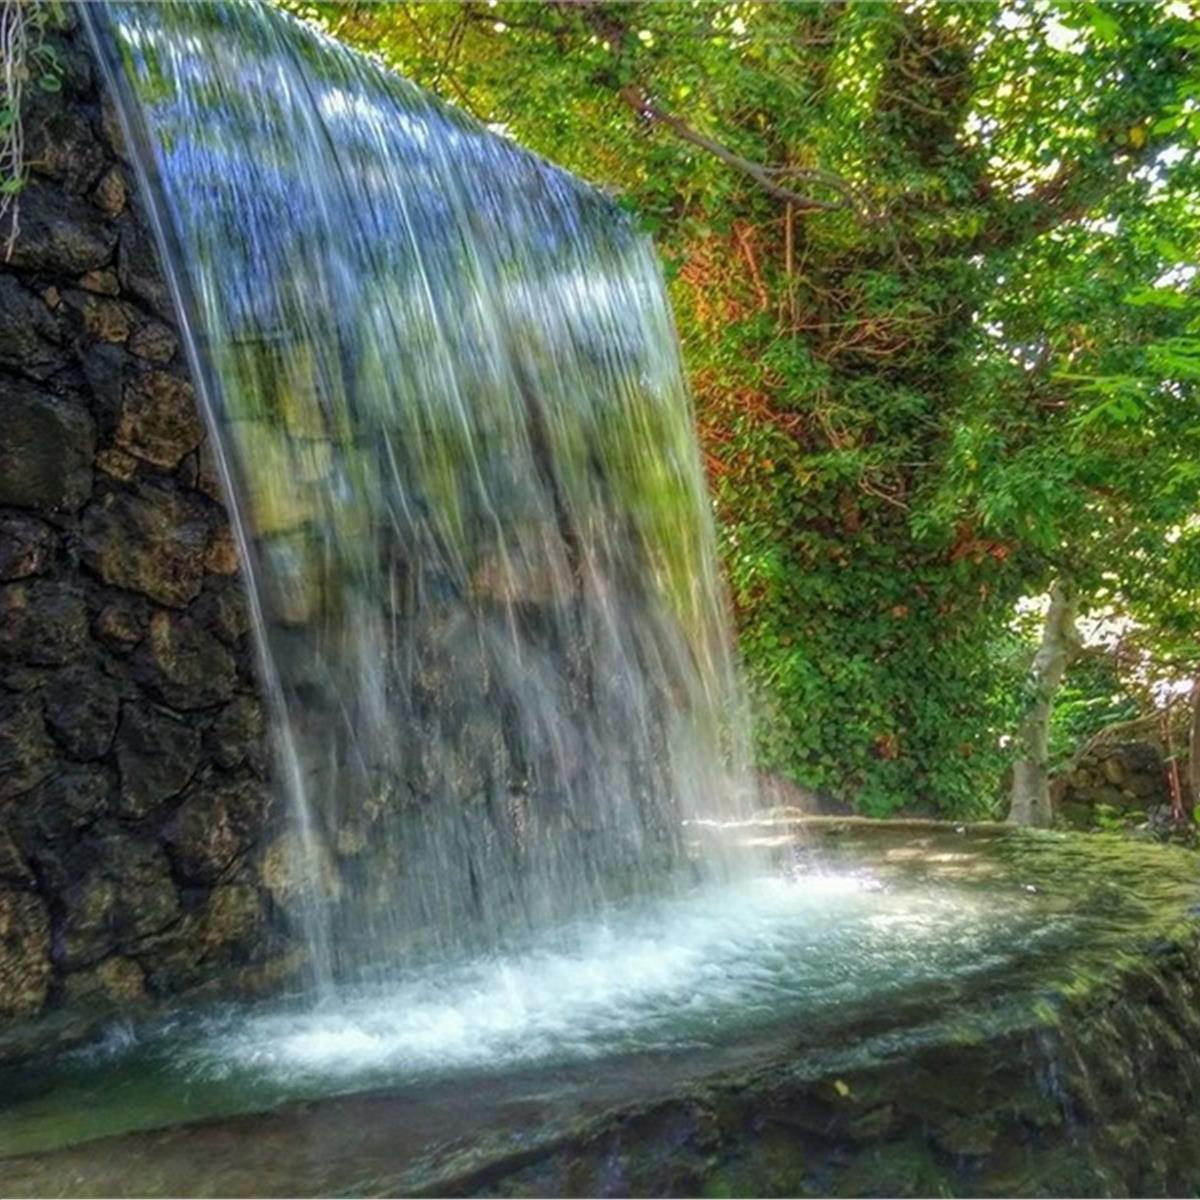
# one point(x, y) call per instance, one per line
point(1060, 644)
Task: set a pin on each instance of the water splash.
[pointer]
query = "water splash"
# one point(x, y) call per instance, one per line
point(683, 973)
point(445, 394)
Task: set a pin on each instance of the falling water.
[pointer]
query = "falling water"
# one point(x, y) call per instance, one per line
point(445, 395)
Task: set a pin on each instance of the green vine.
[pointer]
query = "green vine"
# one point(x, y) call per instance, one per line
point(25, 57)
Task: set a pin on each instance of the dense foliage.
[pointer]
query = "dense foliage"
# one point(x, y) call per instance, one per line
point(933, 267)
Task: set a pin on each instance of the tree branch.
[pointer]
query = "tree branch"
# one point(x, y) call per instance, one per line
point(1109, 733)
point(459, 91)
point(765, 177)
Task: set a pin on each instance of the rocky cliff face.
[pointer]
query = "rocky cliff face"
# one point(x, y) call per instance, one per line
point(133, 792)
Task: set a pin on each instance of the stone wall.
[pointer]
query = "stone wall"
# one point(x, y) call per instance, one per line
point(133, 794)
point(1114, 784)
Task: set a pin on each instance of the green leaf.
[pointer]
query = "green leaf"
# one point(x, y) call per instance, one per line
point(1103, 22)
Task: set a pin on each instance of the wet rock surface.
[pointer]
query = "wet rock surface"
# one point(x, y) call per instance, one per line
point(133, 791)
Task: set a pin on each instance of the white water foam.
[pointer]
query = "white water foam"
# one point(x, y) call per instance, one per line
point(659, 975)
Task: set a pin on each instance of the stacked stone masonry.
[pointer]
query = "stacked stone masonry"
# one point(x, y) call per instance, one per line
point(133, 793)
point(1118, 783)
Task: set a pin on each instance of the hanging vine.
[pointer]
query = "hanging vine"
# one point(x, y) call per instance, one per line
point(25, 57)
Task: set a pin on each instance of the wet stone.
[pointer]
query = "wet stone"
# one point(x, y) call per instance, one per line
point(872, 1125)
point(154, 342)
point(151, 541)
point(31, 336)
point(46, 453)
point(233, 915)
point(125, 896)
point(73, 798)
point(184, 665)
point(231, 919)
point(115, 981)
point(187, 471)
point(116, 464)
point(967, 1136)
point(25, 679)
point(208, 478)
point(294, 591)
point(111, 131)
point(214, 826)
point(157, 754)
point(104, 319)
point(137, 268)
point(221, 558)
point(123, 622)
point(57, 233)
point(42, 622)
point(111, 194)
point(223, 608)
point(158, 419)
point(81, 711)
point(61, 142)
point(26, 546)
point(107, 367)
point(26, 752)
point(14, 870)
point(292, 871)
point(285, 488)
point(99, 529)
point(103, 283)
point(24, 954)
point(351, 840)
point(238, 735)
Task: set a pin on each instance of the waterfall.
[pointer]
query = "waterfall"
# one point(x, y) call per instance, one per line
point(444, 394)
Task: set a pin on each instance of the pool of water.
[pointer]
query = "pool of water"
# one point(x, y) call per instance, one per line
point(660, 991)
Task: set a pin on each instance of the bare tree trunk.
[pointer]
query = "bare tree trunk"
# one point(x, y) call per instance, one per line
point(1060, 644)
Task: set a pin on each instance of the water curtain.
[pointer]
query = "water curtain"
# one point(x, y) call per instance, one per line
point(444, 391)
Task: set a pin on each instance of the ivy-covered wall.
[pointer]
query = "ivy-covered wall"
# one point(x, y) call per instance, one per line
point(133, 776)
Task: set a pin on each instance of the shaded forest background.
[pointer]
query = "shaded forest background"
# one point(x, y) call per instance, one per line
point(934, 268)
